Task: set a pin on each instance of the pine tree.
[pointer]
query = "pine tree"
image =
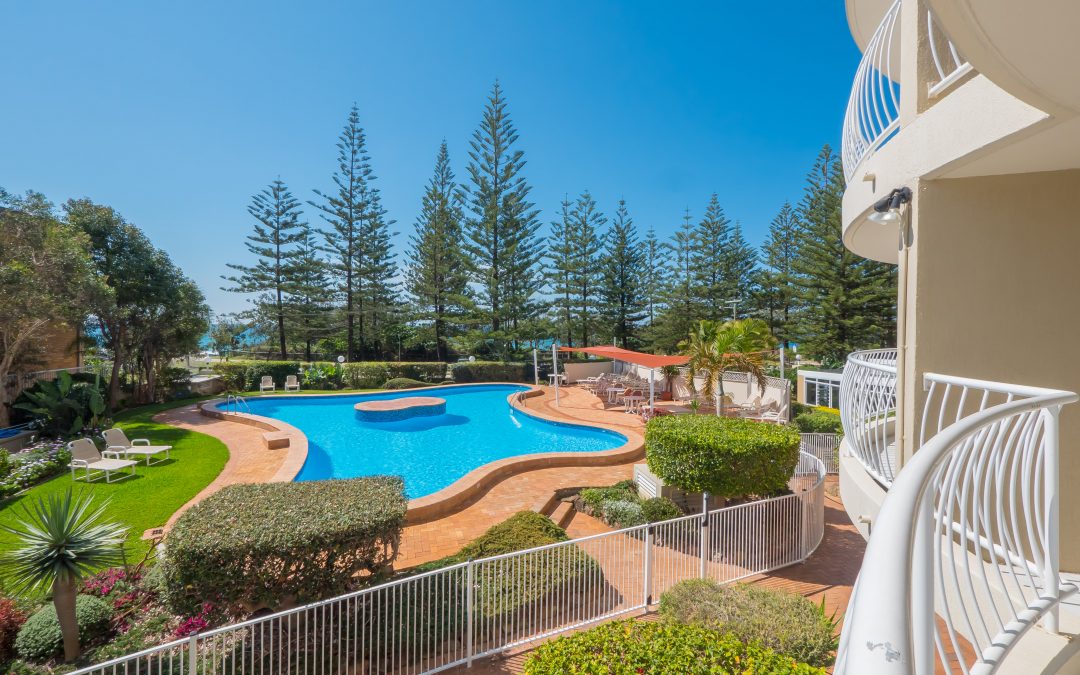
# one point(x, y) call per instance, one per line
point(739, 263)
point(776, 295)
point(378, 288)
point(654, 276)
point(585, 279)
point(623, 266)
point(278, 230)
point(310, 298)
point(681, 309)
point(436, 277)
point(559, 270)
point(502, 232)
point(710, 260)
point(849, 302)
point(358, 239)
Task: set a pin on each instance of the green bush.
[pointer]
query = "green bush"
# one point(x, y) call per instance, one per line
point(594, 498)
point(6, 464)
point(491, 371)
point(40, 637)
point(622, 513)
point(722, 456)
point(784, 622)
point(241, 375)
point(404, 383)
point(245, 375)
point(264, 545)
point(819, 422)
point(631, 647)
point(659, 508)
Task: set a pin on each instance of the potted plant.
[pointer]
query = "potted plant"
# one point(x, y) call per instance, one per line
point(670, 373)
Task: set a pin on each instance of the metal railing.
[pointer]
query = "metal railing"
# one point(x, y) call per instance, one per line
point(825, 447)
point(873, 110)
point(236, 404)
point(964, 555)
point(949, 65)
point(868, 411)
point(448, 617)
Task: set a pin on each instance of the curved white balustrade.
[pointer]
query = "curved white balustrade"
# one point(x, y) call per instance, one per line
point(873, 110)
point(868, 411)
point(964, 553)
point(948, 63)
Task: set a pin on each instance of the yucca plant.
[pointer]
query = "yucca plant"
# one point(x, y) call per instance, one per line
point(63, 538)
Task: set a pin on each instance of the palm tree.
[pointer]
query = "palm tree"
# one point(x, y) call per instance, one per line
point(734, 345)
point(700, 346)
point(63, 539)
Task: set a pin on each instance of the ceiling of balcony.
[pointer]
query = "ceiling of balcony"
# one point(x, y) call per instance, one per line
point(863, 17)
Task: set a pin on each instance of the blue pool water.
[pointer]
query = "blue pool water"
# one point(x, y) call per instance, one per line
point(479, 426)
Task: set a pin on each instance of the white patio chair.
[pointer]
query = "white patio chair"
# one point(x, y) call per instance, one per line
point(85, 455)
point(267, 384)
point(117, 442)
point(291, 383)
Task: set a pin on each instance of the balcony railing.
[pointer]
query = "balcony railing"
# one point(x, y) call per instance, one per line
point(868, 411)
point(963, 559)
point(873, 110)
point(948, 64)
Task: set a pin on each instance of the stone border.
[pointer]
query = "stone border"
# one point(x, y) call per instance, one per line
point(473, 485)
point(297, 441)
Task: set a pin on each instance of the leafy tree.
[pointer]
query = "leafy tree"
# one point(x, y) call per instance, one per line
point(62, 539)
point(622, 272)
point(226, 333)
point(560, 269)
point(278, 231)
point(437, 278)
point(776, 290)
point(715, 347)
point(586, 221)
point(46, 275)
point(501, 234)
point(849, 302)
point(711, 281)
point(361, 262)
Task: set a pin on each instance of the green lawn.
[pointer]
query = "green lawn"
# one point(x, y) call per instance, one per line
point(155, 493)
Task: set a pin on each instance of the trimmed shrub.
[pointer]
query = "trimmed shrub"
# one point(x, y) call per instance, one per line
point(404, 383)
point(819, 421)
point(241, 375)
point(249, 547)
point(40, 637)
point(491, 371)
point(245, 375)
point(659, 508)
point(724, 457)
point(594, 498)
point(620, 513)
point(11, 620)
point(784, 622)
point(630, 647)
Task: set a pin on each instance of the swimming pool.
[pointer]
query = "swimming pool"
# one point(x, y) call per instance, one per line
point(430, 452)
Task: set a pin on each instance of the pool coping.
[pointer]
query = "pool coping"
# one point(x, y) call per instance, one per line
point(473, 485)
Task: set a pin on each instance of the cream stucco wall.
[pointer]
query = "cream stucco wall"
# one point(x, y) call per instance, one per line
point(990, 288)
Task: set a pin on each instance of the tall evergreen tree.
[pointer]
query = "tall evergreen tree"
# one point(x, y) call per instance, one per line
point(310, 299)
point(776, 296)
point(585, 279)
point(681, 309)
point(622, 271)
point(709, 257)
point(502, 231)
point(740, 261)
point(358, 239)
point(849, 301)
point(654, 276)
point(278, 230)
point(559, 271)
point(436, 277)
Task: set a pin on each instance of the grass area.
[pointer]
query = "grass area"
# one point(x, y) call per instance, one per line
point(155, 493)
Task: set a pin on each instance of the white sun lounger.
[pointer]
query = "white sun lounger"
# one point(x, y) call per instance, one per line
point(85, 455)
point(117, 441)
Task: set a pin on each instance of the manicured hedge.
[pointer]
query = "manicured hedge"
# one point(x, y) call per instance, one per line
point(40, 637)
point(491, 371)
point(404, 383)
point(245, 375)
point(632, 647)
point(784, 622)
point(722, 456)
point(249, 547)
point(819, 421)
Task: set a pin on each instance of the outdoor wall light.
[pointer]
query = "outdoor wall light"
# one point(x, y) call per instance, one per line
point(887, 209)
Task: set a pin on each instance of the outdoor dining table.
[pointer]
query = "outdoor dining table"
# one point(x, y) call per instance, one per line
point(561, 376)
point(633, 403)
point(612, 392)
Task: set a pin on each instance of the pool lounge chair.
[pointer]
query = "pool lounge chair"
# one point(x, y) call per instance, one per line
point(291, 383)
point(117, 441)
point(267, 384)
point(85, 455)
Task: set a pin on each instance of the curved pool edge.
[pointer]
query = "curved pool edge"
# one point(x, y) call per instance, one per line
point(275, 428)
point(473, 485)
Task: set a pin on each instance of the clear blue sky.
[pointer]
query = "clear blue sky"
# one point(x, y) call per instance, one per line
point(176, 113)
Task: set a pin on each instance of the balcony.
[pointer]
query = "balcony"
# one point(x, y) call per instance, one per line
point(873, 111)
point(963, 560)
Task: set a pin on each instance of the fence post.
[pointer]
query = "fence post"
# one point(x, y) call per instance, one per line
point(703, 535)
point(469, 612)
point(647, 581)
point(1051, 571)
point(193, 645)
